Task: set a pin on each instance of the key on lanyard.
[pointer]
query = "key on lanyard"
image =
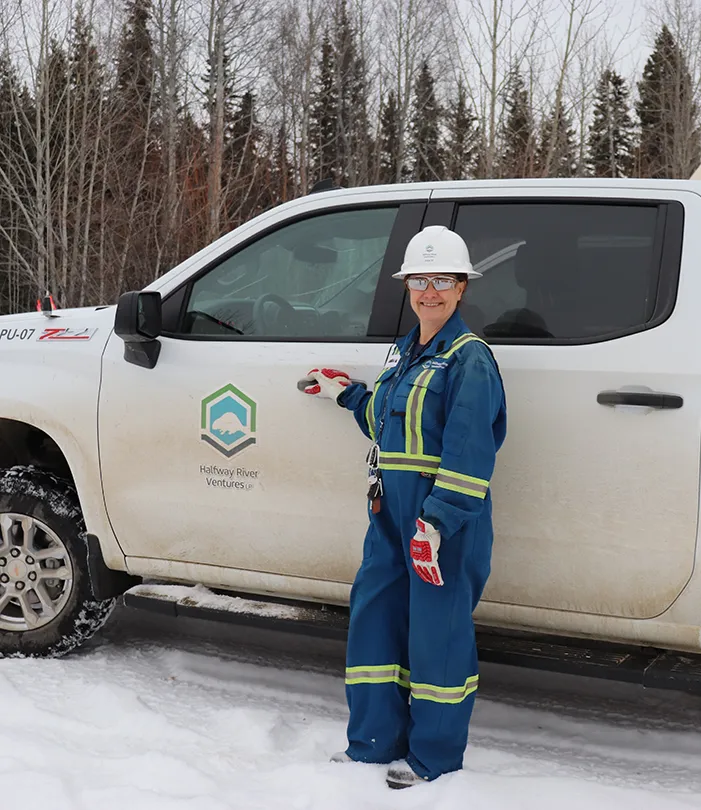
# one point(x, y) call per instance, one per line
point(375, 488)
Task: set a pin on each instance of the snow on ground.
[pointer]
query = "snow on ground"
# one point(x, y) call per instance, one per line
point(154, 716)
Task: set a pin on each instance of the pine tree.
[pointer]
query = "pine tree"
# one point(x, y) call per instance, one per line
point(352, 130)
point(564, 158)
point(361, 144)
point(425, 146)
point(18, 285)
point(389, 171)
point(242, 157)
point(669, 128)
point(324, 118)
point(517, 137)
point(134, 161)
point(280, 173)
point(86, 71)
point(610, 139)
point(57, 87)
point(462, 136)
point(87, 85)
point(135, 63)
point(209, 81)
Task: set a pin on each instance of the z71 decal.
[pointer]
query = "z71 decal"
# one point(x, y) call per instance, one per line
point(66, 333)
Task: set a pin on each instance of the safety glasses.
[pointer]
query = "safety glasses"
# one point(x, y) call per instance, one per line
point(440, 283)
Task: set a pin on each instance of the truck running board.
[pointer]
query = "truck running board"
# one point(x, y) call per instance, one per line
point(645, 666)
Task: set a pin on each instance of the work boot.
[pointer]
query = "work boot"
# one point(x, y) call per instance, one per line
point(400, 775)
point(341, 756)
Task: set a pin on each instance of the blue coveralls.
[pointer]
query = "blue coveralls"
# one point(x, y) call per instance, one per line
point(439, 419)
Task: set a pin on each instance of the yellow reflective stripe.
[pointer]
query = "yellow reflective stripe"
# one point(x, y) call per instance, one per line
point(414, 402)
point(409, 462)
point(370, 415)
point(414, 444)
point(444, 694)
point(393, 673)
point(419, 415)
point(459, 342)
point(465, 484)
point(384, 673)
point(370, 410)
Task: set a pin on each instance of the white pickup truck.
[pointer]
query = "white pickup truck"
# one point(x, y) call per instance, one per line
point(165, 440)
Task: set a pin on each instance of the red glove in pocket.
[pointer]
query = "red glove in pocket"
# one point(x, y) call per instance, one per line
point(423, 551)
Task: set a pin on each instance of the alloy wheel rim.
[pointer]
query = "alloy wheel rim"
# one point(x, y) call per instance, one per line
point(36, 573)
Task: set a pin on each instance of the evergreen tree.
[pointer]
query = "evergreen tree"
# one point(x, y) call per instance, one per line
point(564, 157)
point(517, 137)
point(87, 86)
point(461, 146)
point(135, 64)
point(611, 132)
point(134, 162)
point(425, 146)
point(669, 131)
point(18, 287)
point(390, 171)
point(324, 118)
point(352, 135)
point(480, 170)
point(243, 156)
point(209, 81)
point(57, 104)
point(339, 127)
point(281, 176)
point(85, 69)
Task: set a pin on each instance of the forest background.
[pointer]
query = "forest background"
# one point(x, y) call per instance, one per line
point(135, 132)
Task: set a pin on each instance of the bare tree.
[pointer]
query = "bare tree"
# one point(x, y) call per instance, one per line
point(489, 40)
point(171, 46)
point(293, 55)
point(572, 34)
point(410, 30)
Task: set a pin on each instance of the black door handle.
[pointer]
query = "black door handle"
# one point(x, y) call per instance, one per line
point(644, 399)
point(305, 381)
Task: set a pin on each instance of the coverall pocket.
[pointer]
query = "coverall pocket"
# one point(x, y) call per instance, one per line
point(435, 383)
point(427, 398)
point(402, 417)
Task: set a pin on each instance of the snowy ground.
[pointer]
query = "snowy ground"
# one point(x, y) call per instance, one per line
point(165, 715)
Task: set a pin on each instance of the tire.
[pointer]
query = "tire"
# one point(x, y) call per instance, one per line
point(41, 615)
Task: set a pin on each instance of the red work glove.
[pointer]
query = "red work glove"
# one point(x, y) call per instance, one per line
point(327, 382)
point(424, 552)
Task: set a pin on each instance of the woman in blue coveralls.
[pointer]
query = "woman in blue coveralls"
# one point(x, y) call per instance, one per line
point(436, 417)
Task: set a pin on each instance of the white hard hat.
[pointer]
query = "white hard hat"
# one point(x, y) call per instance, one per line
point(436, 249)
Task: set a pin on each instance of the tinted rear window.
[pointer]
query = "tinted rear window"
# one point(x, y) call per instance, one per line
point(560, 270)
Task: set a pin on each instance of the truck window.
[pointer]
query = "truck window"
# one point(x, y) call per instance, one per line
point(560, 270)
point(314, 277)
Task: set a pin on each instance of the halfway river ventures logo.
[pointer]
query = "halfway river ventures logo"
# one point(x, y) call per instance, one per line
point(228, 420)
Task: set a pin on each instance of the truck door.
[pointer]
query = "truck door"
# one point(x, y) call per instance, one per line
point(214, 456)
point(596, 490)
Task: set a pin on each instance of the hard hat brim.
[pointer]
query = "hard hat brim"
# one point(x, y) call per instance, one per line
point(423, 271)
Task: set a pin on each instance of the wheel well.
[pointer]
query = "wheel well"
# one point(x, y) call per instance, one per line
point(25, 444)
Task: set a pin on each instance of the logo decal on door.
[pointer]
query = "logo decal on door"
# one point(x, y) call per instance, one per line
point(228, 420)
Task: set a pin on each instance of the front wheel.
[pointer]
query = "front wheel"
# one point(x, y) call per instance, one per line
point(47, 607)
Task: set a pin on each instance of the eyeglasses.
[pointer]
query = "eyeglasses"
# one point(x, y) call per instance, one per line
point(440, 283)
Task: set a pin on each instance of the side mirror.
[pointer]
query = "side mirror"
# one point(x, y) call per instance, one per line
point(138, 322)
